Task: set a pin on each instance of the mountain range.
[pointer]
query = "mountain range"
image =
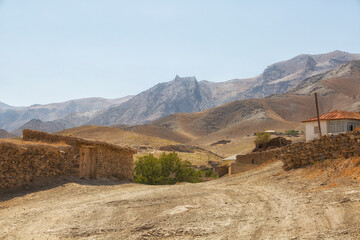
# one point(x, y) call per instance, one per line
point(182, 95)
point(237, 121)
point(337, 89)
point(186, 95)
point(74, 112)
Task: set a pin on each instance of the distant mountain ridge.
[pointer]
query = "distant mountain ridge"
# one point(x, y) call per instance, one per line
point(280, 77)
point(186, 95)
point(4, 106)
point(12, 118)
point(181, 95)
point(5, 134)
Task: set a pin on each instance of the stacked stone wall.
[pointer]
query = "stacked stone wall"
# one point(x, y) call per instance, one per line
point(241, 167)
point(257, 158)
point(20, 164)
point(328, 147)
point(222, 170)
point(252, 160)
point(110, 162)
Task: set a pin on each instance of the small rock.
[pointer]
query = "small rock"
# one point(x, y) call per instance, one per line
point(345, 200)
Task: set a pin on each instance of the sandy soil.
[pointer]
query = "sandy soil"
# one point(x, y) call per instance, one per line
point(265, 203)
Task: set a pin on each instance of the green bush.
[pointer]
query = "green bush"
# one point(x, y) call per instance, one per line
point(262, 137)
point(292, 132)
point(209, 173)
point(167, 169)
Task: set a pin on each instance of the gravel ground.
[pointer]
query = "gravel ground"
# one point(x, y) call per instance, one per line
point(265, 203)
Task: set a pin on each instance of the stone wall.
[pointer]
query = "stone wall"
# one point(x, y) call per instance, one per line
point(257, 158)
point(328, 147)
point(111, 160)
point(22, 163)
point(241, 167)
point(114, 163)
point(252, 160)
point(222, 170)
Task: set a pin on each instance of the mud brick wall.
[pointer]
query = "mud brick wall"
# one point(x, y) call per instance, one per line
point(222, 170)
point(252, 160)
point(20, 164)
point(241, 167)
point(38, 136)
point(328, 147)
point(258, 158)
point(111, 160)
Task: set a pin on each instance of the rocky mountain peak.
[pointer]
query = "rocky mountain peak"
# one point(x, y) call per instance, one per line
point(185, 79)
point(283, 69)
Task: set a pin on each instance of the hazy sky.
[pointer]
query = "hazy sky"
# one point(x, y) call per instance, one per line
point(56, 50)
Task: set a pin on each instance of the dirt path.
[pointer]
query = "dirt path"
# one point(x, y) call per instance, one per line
point(265, 203)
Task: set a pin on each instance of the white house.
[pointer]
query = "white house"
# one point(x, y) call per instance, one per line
point(334, 122)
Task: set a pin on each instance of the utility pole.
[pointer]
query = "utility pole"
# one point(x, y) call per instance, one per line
point(317, 113)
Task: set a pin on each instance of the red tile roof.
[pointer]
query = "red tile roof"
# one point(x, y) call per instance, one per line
point(337, 115)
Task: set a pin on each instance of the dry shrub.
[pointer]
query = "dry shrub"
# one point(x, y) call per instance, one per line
point(335, 170)
point(21, 142)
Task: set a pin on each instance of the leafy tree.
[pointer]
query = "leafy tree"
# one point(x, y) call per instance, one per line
point(262, 138)
point(167, 169)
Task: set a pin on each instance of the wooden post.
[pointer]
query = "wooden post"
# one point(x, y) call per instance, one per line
point(229, 170)
point(87, 162)
point(317, 113)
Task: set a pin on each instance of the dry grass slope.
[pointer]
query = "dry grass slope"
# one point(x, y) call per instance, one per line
point(116, 136)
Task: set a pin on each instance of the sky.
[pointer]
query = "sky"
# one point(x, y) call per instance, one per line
point(53, 51)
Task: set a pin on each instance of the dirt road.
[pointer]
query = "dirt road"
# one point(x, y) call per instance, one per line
point(266, 203)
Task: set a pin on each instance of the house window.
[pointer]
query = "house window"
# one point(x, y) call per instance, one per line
point(351, 126)
point(339, 126)
point(336, 126)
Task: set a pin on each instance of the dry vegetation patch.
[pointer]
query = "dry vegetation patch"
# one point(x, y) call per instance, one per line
point(340, 169)
point(21, 142)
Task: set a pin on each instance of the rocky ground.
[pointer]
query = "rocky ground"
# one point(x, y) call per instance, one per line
point(265, 203)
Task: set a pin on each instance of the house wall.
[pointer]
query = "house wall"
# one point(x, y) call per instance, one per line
point(309, 130)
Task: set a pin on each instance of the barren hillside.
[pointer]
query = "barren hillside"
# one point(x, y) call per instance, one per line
point(5, 134)
point(116, 136)
point(160, 132)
